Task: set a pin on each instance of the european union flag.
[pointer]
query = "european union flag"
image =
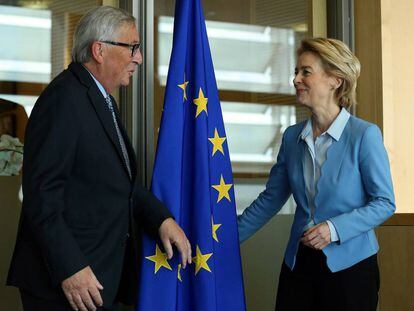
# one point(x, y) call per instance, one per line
point(193, 177)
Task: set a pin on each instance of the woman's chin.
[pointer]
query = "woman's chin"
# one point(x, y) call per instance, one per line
point(303, 102)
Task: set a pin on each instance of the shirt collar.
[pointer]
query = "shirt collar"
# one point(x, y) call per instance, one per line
point(307, 130)
point(337, 127)
point(98, 84)
point(335, 130)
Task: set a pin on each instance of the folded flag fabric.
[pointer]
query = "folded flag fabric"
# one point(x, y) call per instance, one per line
point(193, 177)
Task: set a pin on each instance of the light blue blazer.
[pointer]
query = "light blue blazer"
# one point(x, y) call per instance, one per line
point(354, 192)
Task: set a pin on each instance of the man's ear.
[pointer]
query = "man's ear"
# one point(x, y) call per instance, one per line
point(97, 52)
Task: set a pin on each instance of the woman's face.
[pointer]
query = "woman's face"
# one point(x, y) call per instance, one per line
point(313, 85)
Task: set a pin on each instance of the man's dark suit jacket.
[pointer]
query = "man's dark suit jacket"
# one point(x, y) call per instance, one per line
point(79, 201)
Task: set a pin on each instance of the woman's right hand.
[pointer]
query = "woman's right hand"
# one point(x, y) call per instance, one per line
point(317, 237)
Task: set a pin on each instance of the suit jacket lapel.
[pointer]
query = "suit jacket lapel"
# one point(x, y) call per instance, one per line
point(128, 144)
point(104, 115)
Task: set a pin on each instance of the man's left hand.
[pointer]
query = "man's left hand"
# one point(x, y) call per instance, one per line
point(317, 237)
point(171, 233)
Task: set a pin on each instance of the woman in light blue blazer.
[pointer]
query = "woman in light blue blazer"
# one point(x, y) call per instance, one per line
point(336, 167)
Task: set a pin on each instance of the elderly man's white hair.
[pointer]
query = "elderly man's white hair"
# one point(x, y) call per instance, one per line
point(99, 24)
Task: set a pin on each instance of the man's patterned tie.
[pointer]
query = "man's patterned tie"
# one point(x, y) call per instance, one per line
point(120, 138)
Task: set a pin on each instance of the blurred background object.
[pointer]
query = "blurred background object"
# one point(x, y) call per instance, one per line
point(13, 120)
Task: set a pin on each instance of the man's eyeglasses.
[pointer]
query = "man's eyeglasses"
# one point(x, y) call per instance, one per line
point(133, 47)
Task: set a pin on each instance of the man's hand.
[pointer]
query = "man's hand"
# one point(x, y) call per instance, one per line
point(171, 233)
point(82, 290)
point(317, 237)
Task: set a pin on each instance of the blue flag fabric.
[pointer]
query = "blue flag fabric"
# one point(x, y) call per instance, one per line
point(193, 177)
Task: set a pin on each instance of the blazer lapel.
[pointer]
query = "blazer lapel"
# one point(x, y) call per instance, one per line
point(298, 171)
point(333, 163)
point(336, 153)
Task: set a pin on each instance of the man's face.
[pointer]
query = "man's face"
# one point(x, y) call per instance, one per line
point(119, 64)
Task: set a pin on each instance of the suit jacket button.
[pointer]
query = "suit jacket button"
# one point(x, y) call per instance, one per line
point(125, 240)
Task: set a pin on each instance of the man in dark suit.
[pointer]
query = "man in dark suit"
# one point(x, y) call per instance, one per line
point(76, 246)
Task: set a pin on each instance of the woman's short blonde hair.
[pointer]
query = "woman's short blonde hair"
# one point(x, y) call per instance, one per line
point(338, 61)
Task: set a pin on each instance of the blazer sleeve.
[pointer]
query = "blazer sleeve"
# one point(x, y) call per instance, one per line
point(149, 211)
point(270, 201)
point(49, 154)
point(376, 178)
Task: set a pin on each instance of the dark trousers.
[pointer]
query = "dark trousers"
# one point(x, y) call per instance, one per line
point(32, 303)
point(312, 286)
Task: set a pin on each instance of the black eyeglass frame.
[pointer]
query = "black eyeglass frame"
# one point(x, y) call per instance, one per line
point(133, 47)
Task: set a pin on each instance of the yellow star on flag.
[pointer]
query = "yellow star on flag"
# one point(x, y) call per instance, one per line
point(179, 273)
point(184, 88)
point(214, 229)
point(217, 142)
point(160, 259)
point(223, 189)
point(200, 261)
point(200, 102)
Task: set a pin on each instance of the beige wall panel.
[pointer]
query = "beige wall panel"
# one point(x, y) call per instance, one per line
point(396, 259)
point(384, 45)
point(114, 3)
point(368, 50)
point(398, 80)
point(317, 13)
